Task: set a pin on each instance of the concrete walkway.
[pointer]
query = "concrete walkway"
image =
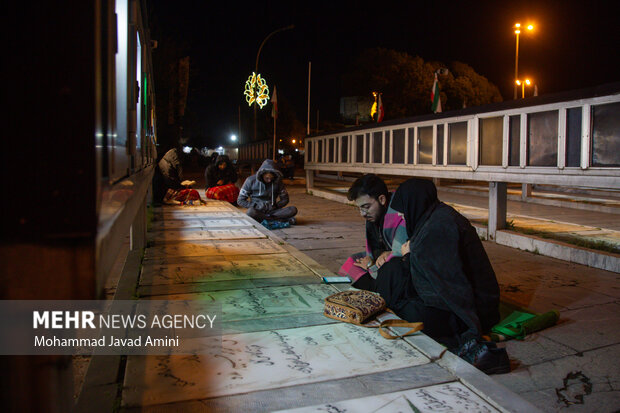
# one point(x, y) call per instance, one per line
point(570, 367)
point(277, 349)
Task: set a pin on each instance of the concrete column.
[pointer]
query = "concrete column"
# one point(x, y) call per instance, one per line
point(309, 180)
point(526, 191)
point(497, 208)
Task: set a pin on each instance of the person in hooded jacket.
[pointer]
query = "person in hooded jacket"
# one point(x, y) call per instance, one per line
point(266, 196)
point(442, 275)
point(220, 178)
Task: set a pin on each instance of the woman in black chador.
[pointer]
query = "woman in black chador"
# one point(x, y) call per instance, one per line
point(444, 278)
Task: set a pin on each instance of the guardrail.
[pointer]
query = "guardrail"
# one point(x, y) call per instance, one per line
point(567, 139)
point(254, 153)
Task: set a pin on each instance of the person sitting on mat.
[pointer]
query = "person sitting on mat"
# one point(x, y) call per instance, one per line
point(220, 178)
point(260, 193)
point(441, 276)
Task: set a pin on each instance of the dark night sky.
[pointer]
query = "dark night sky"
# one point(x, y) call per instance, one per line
point(575, 45)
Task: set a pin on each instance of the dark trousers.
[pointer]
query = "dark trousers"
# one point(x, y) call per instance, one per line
point(280, 214)
point(394, 284)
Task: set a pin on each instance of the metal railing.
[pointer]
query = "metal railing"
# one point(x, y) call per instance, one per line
point(254, 153)
point(568, 139)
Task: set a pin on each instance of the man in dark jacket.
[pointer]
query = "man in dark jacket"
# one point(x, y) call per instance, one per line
point(443, 276)
point(260, 193)
point(168, 174)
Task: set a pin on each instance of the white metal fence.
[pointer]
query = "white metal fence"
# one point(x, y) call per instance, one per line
point(570, 139)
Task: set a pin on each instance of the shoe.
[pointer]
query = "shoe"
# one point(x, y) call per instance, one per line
point(292, 221)
point(486, 358)
point(275, 224)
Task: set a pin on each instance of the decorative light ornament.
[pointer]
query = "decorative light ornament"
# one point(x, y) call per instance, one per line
point(373, 109)
point(256, 90)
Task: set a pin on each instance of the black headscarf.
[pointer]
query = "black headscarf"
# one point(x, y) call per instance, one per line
point(415, 199)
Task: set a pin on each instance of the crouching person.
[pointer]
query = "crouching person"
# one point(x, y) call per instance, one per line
point(265, 195)
point(430, 267)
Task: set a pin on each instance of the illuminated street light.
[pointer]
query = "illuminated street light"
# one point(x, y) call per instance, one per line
point(517, 32)
point(233, 138)
point(293, 141)
point(522, 84)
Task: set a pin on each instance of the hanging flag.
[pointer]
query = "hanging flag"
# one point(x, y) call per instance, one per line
point(535, 90)
point(380, 112)
point(436, 101)
point(274, 104)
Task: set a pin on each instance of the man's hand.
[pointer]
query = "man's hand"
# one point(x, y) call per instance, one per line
point(404, 250)
point(382, 258)
point(363, 263)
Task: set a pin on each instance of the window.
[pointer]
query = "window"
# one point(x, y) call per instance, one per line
point(377, 144)
point(457, 143)
point(425, 145)
point(359, 148)
point(491, 131)
point(439, 145)
point(514, 140)
point(542, 138)
point(398, 146)
point(344, 149)
point(606, 135)
point(411, 147)
point(573, 137)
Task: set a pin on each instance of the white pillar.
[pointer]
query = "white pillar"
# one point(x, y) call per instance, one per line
point(526, 191)
point(497, 208)
point(309, 179)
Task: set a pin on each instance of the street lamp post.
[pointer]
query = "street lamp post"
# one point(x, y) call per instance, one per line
point(256, 66)
point(517, 32)
point(522, 83)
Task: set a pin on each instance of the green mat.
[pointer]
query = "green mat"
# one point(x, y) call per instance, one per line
point(517, 322)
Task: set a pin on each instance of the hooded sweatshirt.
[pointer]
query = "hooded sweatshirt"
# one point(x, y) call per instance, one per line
point(261, 196)
point(213, 173)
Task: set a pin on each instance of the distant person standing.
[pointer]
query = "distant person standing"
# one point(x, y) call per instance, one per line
point(260, 193)
point(220, 178)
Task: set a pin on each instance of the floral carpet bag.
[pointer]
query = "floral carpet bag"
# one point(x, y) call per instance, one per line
point(360, 307)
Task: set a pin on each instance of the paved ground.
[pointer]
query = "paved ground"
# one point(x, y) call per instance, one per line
point(572, 366)
point(277, 350)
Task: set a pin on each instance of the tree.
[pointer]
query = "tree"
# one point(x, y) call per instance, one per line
point(406, 82)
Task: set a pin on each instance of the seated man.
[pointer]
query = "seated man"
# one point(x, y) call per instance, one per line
point(385, 233)
point(260, 193)
point(220, 179)
point(442, 275)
